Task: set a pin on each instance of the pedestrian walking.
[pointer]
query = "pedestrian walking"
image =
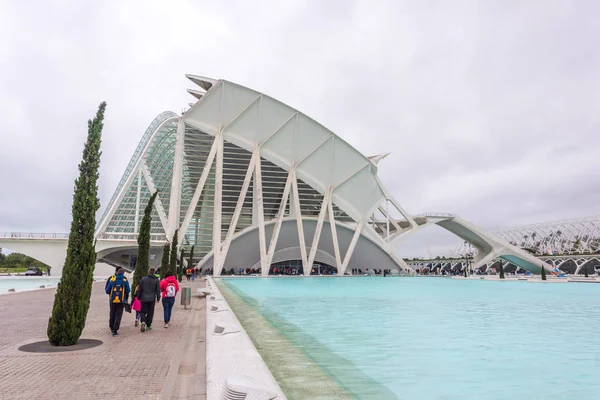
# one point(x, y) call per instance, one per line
point(136, 306)
point(168, 288)
point(118, 290)
point(188, 273)
point(148, 294)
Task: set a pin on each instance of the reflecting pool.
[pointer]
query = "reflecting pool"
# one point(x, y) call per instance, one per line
point(436, 338)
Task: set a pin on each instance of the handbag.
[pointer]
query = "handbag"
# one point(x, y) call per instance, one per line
point(136, 305)
point(127, 307)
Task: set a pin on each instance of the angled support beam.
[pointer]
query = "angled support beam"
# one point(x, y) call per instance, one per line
point(217, 217)
point(352, 246)
point(137, 202)
point(157, 203)
point(175, 201)
point(257, 98)
point(261, 214)
point(336, 245)
point(277, 228)
point(298, 214)
point(293, 116)
point(319, 228)
point(237, 213)
point(198, 192)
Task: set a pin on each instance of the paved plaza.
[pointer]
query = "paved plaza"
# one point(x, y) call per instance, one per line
point(160, 364)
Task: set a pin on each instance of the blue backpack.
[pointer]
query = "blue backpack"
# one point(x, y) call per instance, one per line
point(117, 293)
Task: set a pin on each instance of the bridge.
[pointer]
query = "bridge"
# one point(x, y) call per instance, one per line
point(488, 247)
point(116, 249)
point(572, 245)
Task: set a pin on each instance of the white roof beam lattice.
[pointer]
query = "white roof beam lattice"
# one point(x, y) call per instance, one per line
point(134, 171)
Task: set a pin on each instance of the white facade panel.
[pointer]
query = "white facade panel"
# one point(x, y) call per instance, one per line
point(359, 194)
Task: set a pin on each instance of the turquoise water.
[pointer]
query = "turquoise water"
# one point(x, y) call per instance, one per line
point(21, 283)
point(437, 338)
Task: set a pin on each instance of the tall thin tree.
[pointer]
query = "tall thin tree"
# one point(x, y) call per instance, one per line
point(173, 260)
point(164, 262)
point(141, 268)
point(191, 258)
point(72, 299)
point(180, 266)
point(543, 273)
point(501, 270)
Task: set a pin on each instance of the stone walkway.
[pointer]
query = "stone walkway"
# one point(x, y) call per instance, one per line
point(160, 364)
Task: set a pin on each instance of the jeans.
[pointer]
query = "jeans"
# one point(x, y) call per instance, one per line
point(116, 312)
point(137, 315)
point(147, 312)
point(168, 303)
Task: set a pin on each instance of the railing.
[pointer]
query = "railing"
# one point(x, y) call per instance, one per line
point(435, 214)
point(155, 237)
point(23, 235)
point(110, 236)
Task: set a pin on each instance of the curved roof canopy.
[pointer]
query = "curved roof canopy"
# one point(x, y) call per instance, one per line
point(289, 139)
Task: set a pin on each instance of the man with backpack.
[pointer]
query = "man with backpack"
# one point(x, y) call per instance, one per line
point(148, 294)
point(118, 290)
point(169, 288)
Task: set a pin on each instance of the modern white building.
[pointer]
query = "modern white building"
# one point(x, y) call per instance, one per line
point(251, 182)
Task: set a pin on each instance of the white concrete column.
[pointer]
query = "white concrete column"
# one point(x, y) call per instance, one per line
point(137, 202)
point(216, 245)
point(175, 200)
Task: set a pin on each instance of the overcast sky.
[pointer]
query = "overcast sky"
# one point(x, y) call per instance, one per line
point(491, 109)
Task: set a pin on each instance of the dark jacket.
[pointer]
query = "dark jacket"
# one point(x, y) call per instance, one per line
point(118, 278)
point(149, 289)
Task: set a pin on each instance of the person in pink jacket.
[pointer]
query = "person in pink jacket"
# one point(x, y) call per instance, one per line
point(169, 288)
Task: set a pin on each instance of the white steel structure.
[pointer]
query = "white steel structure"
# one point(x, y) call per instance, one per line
point(250, 182)
point(572, 236)
point(242, 171)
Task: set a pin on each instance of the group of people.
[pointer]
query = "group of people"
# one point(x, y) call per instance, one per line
point(146, 295)
point(192, 273)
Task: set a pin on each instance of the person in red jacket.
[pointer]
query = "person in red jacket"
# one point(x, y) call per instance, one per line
point(169, 288)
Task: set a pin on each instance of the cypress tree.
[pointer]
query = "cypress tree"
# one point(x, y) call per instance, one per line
point(501, 271)
point(180, 266)
point(72, 299)
point(466, 273)
point(585, 271)
point(543, 273)
point(141, 268)
point(173, 261)
point(164, 263)
point(191, 259)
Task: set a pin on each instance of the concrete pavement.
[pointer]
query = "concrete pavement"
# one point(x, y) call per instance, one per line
point(163, 363)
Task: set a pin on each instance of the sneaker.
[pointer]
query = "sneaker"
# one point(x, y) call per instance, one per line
point(143, 328)
point(115, 334)
point(148, 328)
point(137, 322)
point(166, 325)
